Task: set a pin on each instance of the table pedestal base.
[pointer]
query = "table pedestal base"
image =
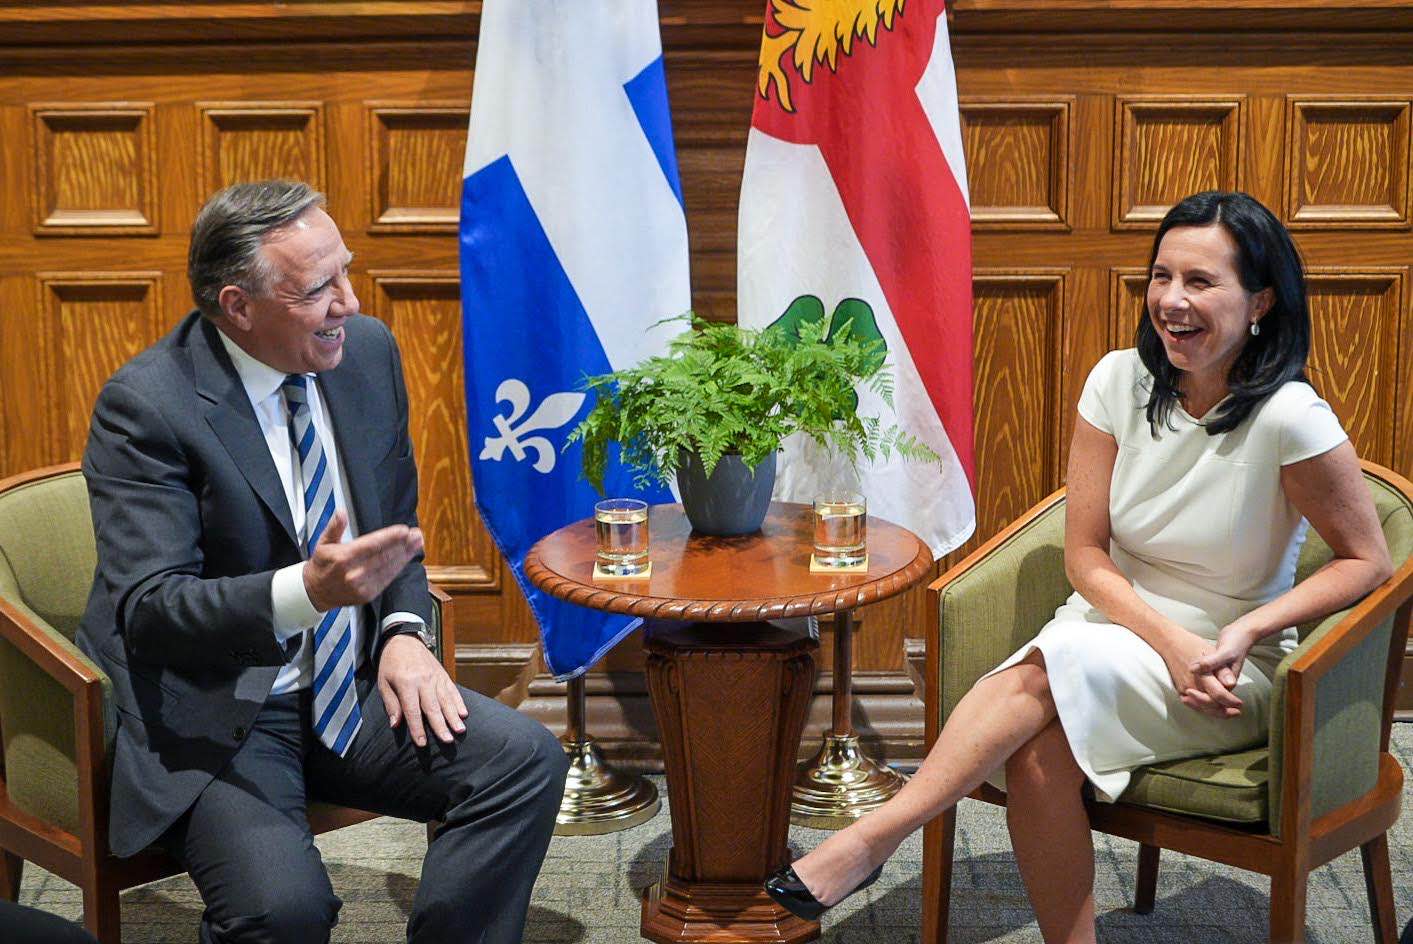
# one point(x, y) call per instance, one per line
point(730, 701)
point(674, 910)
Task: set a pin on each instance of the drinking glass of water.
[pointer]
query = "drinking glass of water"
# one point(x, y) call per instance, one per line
point(621, 526)
point(840, 529)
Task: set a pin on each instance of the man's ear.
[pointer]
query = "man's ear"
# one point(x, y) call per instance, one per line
point(235, 305)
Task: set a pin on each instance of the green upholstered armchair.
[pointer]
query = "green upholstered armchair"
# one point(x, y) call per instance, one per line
point(56, 715)
point(1325, 782)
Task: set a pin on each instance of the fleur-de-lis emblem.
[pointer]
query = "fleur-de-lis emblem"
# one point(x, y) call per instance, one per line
point(554, 411)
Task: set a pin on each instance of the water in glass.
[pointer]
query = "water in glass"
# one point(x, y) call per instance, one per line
point(621, 526)
point(840, 530)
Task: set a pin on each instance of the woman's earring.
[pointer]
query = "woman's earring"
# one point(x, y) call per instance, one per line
point(1255, 329)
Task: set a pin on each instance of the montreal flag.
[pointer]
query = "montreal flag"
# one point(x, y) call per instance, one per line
point(854, 206)
point(573, 246)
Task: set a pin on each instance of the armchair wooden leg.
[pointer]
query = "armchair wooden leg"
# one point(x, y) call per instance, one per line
point(1146, 891)
point(11, 869)
point(938, 838)
point(1378, 879)
point(1288, 904)
point(101, 913)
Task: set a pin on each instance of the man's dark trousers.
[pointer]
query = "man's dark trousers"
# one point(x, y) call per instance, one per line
point(496, 788)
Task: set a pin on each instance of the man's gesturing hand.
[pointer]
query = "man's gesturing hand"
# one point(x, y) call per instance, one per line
point(351, 574)
point(414, 685)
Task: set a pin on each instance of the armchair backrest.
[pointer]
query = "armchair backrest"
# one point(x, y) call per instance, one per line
point(47, 550)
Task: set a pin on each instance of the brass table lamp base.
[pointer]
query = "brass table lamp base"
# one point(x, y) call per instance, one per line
point(840, 784)
point(597, 798)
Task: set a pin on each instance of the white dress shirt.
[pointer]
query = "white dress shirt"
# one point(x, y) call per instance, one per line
point(294, 613)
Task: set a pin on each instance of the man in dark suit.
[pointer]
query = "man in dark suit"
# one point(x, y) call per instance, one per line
point(261, 605)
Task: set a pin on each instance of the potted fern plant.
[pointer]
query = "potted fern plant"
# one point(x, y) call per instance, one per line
point(714, 410)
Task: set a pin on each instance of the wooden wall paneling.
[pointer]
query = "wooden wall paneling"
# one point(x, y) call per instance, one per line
point(94, 168)
point(1084, 340)
point(1264, 154)
point(1169, 147)
point(1128, 300)
point(21, 377)
point(1018, 163)
point(254, 140)
point(1355, 315)
point(1019, 318)
point(93, 323)
point(1403, 406)
point(712, 94)
point(423, 309)
point(415, 155)
point(1348, 163)
point(1092, 168)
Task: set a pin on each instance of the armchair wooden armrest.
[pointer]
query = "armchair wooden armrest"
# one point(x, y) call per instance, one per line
point(445, 628)
point(58, 846)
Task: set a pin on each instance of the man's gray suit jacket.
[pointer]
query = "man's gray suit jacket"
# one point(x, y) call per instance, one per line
point(192, 523)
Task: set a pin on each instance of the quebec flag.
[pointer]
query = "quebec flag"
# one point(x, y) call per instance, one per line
point(573, 247)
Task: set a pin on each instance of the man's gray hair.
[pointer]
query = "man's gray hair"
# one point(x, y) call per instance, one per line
point(228, 234)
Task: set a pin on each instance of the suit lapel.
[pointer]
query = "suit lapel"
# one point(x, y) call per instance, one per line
point(350, 412)
point(230, 416)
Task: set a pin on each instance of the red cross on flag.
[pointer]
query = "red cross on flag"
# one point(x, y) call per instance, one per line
point(854, 205)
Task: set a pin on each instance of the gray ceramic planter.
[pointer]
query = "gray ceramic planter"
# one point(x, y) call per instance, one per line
point(732, 501)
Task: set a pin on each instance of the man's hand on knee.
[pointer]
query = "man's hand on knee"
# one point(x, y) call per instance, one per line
point(352, 574)
point(414, 686)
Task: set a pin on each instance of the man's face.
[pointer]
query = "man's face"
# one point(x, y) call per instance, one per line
point(295, 322)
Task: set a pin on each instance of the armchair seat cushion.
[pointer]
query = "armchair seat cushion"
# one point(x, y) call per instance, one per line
point(1232, 788)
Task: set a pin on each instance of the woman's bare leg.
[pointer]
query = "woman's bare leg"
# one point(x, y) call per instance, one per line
point(989, 724)
point(1050, 835)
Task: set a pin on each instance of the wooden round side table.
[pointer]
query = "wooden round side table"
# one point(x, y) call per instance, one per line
point(730, 692)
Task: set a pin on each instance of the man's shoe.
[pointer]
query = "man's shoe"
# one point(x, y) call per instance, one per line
point(791, 894)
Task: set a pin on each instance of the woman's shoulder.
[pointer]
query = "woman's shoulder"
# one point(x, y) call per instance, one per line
point(1121, 368)
point(1290, 402)
point(1298, 422)
point(1115, 392)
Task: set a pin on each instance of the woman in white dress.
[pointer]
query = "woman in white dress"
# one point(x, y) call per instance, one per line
point(1196, 461)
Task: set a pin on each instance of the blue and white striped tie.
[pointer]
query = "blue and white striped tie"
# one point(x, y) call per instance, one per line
point(336, 713)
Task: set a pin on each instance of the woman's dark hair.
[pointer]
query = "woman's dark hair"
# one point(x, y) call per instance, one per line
point(1266, 258)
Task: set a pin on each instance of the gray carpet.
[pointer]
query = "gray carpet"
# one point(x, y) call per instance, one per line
point(588, 890)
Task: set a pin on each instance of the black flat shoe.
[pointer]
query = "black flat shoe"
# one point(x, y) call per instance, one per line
point(791, 894)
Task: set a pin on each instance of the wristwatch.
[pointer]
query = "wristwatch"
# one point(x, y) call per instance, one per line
point(419, 630)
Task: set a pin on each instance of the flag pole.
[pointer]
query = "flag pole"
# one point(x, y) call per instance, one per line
point(840, 783)
point(597, 798)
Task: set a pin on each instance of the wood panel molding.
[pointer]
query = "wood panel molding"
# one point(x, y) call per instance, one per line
point(415, 159)
point(93, 323)
point(243, 141)
point(1347, 163)
point(1169, 147)
point(94, 168)
point(1018, 319)
point(423, 309)
point(1355, 315)
point(75, 21)
point(1127, 302)
point(1018, 163)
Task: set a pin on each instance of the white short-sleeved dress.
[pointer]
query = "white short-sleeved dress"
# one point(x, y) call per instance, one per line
point(1202, 529)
